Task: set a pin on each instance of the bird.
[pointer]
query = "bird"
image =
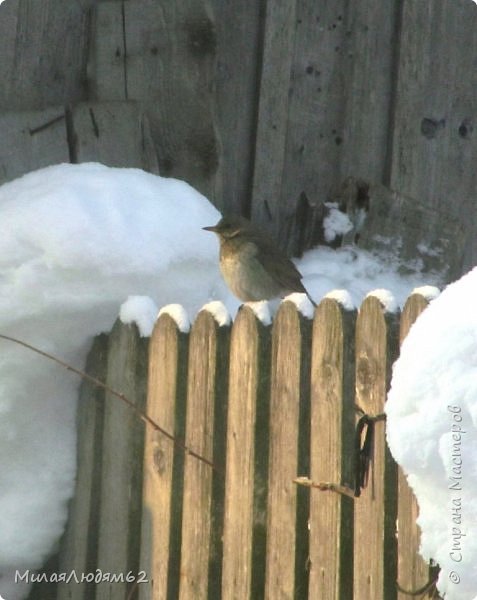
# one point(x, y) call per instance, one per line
point(251, 263)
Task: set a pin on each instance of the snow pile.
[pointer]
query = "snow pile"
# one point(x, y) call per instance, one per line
point(219, 312)
point(177, 313)
point(388, 301)
point(343, 297)
point(431, 428)
point(336, 223)
point(77, 242)
point(142, 311)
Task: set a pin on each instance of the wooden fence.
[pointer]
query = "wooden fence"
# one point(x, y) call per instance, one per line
point(264, 405)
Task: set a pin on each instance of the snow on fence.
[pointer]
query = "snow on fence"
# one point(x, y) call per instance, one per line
point(263, 404)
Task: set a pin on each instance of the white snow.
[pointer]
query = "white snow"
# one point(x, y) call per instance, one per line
point(431, 429)
point(429, 292)
point(219, 312)
point(262, 311)
point(78, 244)
point(140, 310)
point(336, 223)
point(178, 314)
point(388, 301)
point(343, 297)
point(303, 304)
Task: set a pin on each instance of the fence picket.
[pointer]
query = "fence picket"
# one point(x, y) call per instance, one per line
point(413, 571)
point(121, 482)
point(289, 441)
point(375, 552)
point(163, 466)
point(207, 378)
point(332, 426)
point(246, 458)
point(79, 545)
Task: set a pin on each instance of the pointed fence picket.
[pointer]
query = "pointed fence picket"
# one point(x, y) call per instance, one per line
point(263, 405)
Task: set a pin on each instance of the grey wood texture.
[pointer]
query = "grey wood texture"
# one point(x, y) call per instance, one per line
point(331, 452)
point(205, 434)
point(287, 524)
point(245, 516)
point(114, 133)
point(375, 511)
point(163, 463)
point(171, 53)
point(31, 140)
point(434, 142)
point(402, 227)
point(43, 52)
point(78, 548)
point(264, 107)
point(413, 571)
point(120, 504)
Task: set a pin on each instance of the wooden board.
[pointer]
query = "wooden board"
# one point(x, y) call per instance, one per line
point(435, 145)
point(163, 464)
point(413, 571)
point(171, 53)
point(397, 226)
point(113, 133)
point(107, 54)
point(32, 140)
point(375, 512)
point(78, 548)
point(43, 50)
point(247, 458)
point(122, 452)
point(236, 79)
point(370, 47)
point(331, 454)
point(205, 424)
point(287, 526)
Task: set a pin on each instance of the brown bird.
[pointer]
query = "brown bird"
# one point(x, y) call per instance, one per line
point(252, 264)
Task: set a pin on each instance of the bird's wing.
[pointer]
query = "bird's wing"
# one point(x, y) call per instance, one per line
point(275, 262)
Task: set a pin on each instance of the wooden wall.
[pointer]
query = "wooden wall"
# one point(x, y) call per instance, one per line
point(265, 106)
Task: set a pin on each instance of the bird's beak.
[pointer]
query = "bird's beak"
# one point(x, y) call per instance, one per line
point(211, 228)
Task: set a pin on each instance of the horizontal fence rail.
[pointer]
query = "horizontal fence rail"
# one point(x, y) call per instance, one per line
point(272, 412)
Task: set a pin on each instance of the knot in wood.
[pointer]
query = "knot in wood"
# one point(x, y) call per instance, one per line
point(202, 37)
point(366, 372)
point(159, 460)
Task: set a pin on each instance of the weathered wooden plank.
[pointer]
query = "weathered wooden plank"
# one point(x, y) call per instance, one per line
point(407, 229)
point(413, 571)
point(78, 549)
point(300, 112)
point(33, 72)
point(163, 464)
point(123, 447)
point(332, 426)
point(273, 113)
point(113, 133)
point(375, 551)
point(287, 530)
point(202, 509)
point(235, 100)
point(370, 52)
point(171, 53)
point(246, 460)
point(107, 57)
point(434, 146)
point(31, 140)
